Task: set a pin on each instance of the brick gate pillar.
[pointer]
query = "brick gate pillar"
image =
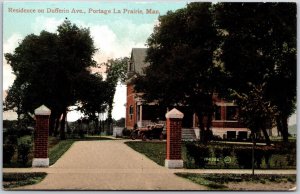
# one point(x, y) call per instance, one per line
point(41, 133)
point(174, 121)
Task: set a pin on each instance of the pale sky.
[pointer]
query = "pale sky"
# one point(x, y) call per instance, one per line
point(115, 34)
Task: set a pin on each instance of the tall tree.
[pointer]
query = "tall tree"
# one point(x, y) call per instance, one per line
point(47, 65)
point(92, 95)
point(260, 48)
point(183, 70)
point(256, 112)
point(116, 72)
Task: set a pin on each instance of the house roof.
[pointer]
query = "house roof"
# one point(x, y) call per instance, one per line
point(138, 56)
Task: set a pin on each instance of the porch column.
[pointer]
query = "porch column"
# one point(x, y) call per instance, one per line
point(141, 115)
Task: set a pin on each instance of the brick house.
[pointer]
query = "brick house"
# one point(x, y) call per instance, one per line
point(224, 124)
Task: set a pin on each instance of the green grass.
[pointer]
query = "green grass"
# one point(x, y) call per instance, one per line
point(12, 180)
point(59, 149)
point(156, 151)
point(219, 181)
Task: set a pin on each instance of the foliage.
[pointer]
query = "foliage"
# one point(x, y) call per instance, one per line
point(11, 134)
point(220, 181)
point(10, 139)
point(12, 180)
point(23, 153)
point(24, 149)
point(126, 132)
point(183, 70)
point(92, 93)
point(268, 157)
point(256, 112)
point(197, 51)
point(259, 57)
point(116, 72)
point(9, 124)
point(199, 153)
point(8, 152)
point(46, 67)
point(120, 122)
point(244, 158)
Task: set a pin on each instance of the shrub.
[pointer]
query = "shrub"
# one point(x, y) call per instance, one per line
point(218, 153)
point(12, 139)
point(8, 152)
point(126, 132)
point(23, 152)
point(25, 139)
point(244, 157)
point(12, 180)
point(268, 154)
point(290, 160)
point(19, 131)
point(198, 152)
point(81, 133)
point(24, 149)
point(258, 156)
point(226, 151)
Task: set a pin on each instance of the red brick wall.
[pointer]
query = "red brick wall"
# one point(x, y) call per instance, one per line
point(227, 124)
point(174, 139)
point(223, 112)
point(41, 136)
point(130, 102)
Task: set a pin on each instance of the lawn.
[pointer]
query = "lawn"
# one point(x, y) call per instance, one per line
point(242, 181)
point(57, 150)
point(12, 180)
point(156, 151)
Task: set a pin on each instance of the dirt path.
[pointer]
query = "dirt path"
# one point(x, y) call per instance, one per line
point(108, 165)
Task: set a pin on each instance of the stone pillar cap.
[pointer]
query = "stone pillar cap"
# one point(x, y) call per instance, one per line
point(42, 110)
point(174, 114)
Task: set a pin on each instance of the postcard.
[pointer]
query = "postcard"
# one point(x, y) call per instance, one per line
point(149, 96)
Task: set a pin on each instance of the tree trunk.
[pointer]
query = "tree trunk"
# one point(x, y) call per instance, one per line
point(209, 134)
point(62, 126)
point(267, 138)
point(51, 124)
point(56, 125)
point(109, 117)
point(201, 126)
point(285, 132)
point(97, 125)
point(279, 125)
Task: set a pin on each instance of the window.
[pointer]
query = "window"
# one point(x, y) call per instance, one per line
point(138, 112)
point(131, 112)
point(231, 113)
point(217, 113)
point(130, 66)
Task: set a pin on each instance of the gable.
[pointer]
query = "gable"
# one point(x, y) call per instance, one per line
point(137, 63)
